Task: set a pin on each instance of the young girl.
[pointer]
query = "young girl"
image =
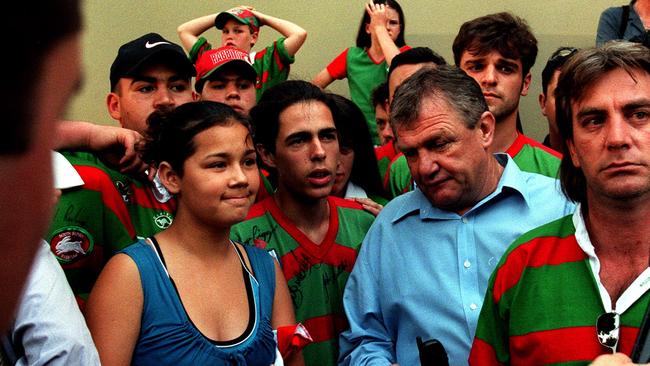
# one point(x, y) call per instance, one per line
point(379, 39)
point(357, 173)
point(189, 295)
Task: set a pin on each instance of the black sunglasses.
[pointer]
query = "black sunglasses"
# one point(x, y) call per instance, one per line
point(607, 328)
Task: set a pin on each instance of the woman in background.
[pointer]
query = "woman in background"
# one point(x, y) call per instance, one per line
point(380, 37)
point(357, 173)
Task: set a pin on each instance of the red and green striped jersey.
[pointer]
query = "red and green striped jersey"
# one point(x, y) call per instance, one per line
point(533, 157)
point(103, 216)
point(316, 273)
point(542, 304)
point(271, 64)
point(384, 155)
point(530, 156)
point(364, 75)
point(398, 179)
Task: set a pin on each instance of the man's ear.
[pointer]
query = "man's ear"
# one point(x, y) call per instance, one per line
point(486, 126)
point(114, 106)
point(267, 157)
point(572, 152)
point(525, 85)
point(254, 37)
point(169, 178)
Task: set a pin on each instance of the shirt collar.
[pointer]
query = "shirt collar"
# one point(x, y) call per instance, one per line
point(631, 294)
point(511, 181)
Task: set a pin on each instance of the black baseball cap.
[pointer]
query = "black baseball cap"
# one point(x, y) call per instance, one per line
point(135, 54)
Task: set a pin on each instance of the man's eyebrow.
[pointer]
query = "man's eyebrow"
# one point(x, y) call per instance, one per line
point(589, 111)
point(636, 104)
point(147, 79)
point(327, 130)
point(301, 134)
point(508, 62)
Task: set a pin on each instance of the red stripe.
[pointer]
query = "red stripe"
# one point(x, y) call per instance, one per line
point(523, 140)
point(386, 151)
point(260, 54)
point(387, 176)
point(299, 260)
point(538, 252)
point(482, 354)
point(346, 203)
point(97, 180)
point(143, 197)
point(324, 328)
point(565, 345)
point(276, 56)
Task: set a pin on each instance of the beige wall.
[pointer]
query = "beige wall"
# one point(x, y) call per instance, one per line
point(331, 25)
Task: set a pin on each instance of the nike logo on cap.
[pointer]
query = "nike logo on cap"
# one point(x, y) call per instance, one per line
point(152, 45)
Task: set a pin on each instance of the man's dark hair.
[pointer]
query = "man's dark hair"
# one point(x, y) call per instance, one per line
point(580, 72)
point(447, 83)
point(554, 63)
point(508, 34)
point(265, 116)
point(42, 29)
point(170, 133)
point(416, 55)
point(363, 38)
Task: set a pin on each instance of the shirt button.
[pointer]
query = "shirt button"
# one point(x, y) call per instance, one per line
point(464, 220)
point(473, 306)
point(467, 264)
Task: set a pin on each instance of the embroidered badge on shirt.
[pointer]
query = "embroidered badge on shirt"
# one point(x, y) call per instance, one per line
point(70, 244)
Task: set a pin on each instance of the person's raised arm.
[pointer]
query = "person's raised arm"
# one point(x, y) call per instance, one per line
point(379, 32)
point(295, 35)
point(189, 32)
point(114, 309)
point(323, 79)
point(116, 145)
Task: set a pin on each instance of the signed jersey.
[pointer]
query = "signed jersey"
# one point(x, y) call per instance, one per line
point(106, 214)
point(316, 273)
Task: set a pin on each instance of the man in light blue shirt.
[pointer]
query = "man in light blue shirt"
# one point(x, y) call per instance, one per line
point(424, 265)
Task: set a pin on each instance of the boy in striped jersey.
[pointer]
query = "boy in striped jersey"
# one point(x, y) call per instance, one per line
point(112, 209)
point(498, 51)
point(314, 236)
point(240, 27)
point(577, 288)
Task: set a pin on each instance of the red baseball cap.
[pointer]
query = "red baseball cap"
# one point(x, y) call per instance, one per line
point(212, 60)
point(242, 15)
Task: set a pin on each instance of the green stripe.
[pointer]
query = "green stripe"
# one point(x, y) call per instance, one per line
point(353, 226)
point(321, 353)
point(266, 228)
point(535, 160)
point(491, 328)
point(534, 300)
point(318, 291)
point(631, 317)
point(399, 177)
point(572, 363)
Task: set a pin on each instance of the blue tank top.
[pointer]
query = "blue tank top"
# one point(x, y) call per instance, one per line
point(168, 336)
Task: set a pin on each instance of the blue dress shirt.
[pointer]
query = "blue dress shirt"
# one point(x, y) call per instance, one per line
point(423, 271)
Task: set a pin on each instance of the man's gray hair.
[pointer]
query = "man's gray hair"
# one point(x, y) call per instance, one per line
point(449, 83)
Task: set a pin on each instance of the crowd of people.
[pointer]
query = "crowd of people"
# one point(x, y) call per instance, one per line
point(240, 217)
